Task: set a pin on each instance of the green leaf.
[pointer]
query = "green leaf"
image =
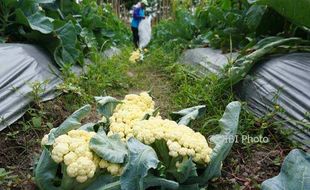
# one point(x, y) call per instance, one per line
point(2, 39)
point(254, 16)
point(229, 124)
point(45, 172)
point(184, 117)
point(111, 148)
point(226, 4)
point(9, 3)
point(21, 18)
point(152, 181)
point(107, 33)
point(49, 125)
point(186, 169)
point(191, 187)
point(105, 182)
point(45, 1)
point(89, 38)
point(29, 14)
point(141, 159)
point(223, 143)
point(109, 183)
point(71, 123)
point(67, 182)
point(266, 41)
point(296, 12)
point(153, 114)
point(162, 151)
point(89, 127)
point(66, 51)
point(294, 174)
point(37, 122)
point(40, 23)
point(101, 181)
point(106, 105)
point(244, 64)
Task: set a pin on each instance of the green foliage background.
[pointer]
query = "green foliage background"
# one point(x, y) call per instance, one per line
point(231, 25)
point(67, 29)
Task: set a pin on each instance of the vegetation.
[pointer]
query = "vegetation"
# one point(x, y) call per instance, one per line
point(244, 26)
point(230, 25)
point(66, 29)
point(180, 157)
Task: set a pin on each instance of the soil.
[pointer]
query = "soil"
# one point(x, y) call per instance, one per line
point(247, 169)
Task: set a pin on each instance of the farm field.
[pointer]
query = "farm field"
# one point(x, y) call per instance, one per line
point(218, 99)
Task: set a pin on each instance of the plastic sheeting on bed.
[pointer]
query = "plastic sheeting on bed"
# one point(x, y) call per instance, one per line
point(282, 80)
point(21, 66)
point(206, 60)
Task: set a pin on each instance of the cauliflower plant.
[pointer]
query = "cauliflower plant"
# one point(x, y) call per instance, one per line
point(73, 150)
point(180, 139)
point(131, 110)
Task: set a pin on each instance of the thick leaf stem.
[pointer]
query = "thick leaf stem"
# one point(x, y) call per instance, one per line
point(67, 181)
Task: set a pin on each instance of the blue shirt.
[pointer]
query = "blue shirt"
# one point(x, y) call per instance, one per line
point(138, 14)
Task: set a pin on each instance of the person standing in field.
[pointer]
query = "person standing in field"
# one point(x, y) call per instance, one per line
point(138, 15)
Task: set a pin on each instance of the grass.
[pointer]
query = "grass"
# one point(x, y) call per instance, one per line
point(102, 76)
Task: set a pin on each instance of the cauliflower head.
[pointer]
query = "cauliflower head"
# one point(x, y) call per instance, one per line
point(180, 139)
point(73, 149)
point(114, 169)
point(132, 109)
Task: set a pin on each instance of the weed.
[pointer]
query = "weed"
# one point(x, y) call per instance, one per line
point(37, 90)
point(102, 75)
point(70, 88)
point(12, 135)
point(6, 177)
point(34, 120)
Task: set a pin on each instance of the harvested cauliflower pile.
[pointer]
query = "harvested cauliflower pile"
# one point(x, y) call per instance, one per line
point(135, 56)
point(132, 109)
